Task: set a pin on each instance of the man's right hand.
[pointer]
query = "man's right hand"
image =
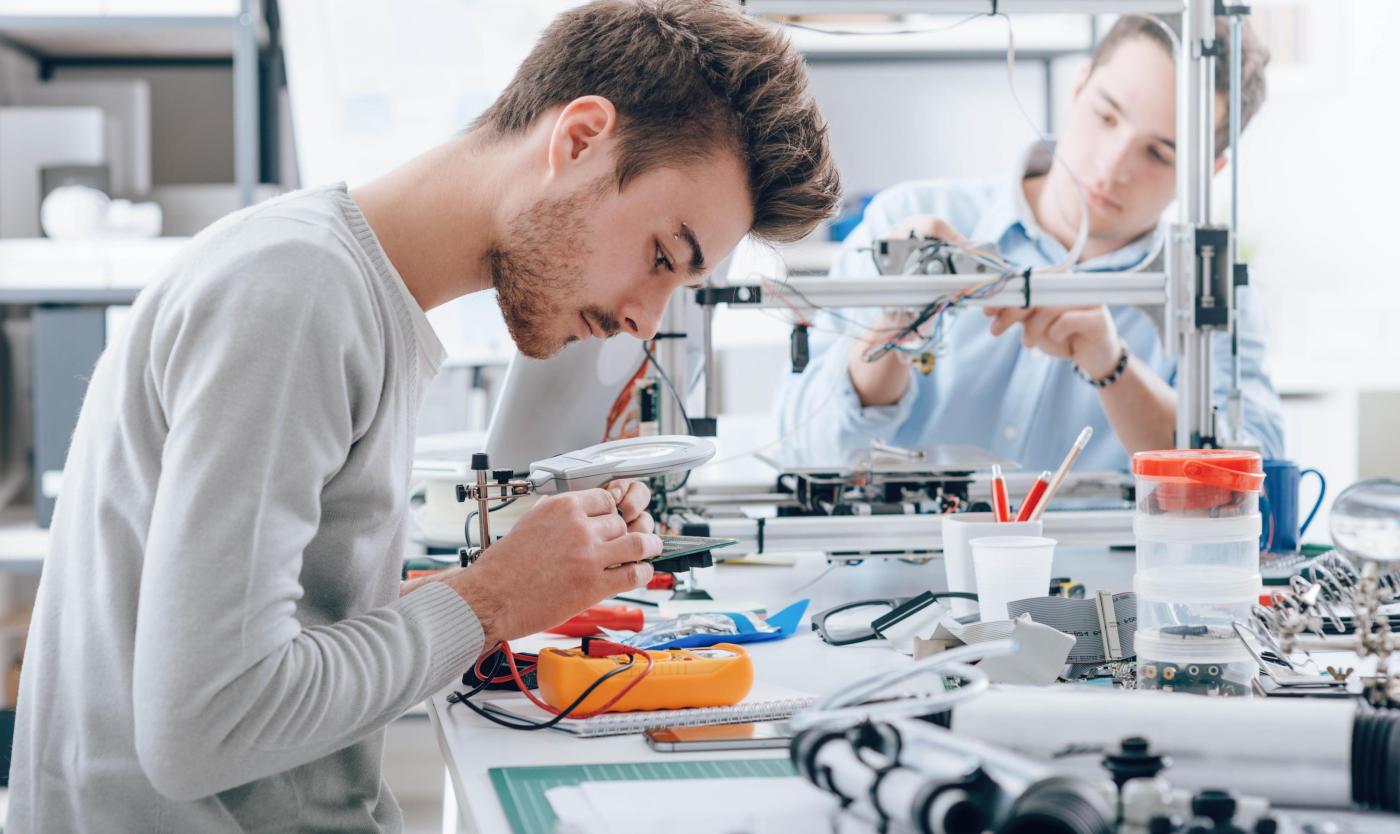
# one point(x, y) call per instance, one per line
point(567, 553)
point(885, 380)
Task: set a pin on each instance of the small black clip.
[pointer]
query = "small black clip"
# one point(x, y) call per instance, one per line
point(1026, 288)
point(799, 348)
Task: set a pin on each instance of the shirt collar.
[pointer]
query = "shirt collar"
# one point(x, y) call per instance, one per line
point(1009, 214)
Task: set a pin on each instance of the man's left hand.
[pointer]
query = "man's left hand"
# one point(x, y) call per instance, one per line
point(632, 498)
point(1085, 336)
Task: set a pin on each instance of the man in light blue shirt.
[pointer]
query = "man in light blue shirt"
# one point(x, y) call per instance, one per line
point(1027, 398)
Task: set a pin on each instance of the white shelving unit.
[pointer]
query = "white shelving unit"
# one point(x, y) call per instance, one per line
point(113, 32)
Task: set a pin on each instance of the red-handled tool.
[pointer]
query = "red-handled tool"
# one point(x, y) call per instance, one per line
point(662, 581)
point(588, 623)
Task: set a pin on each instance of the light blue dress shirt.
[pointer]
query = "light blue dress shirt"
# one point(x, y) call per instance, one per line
point(990, 391)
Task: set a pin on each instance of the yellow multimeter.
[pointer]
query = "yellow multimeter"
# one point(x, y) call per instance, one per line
point(717, 676)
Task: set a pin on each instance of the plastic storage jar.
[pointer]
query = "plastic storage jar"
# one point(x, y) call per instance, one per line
point(1198, 508)
point(1186, 640)
point(1178, 660)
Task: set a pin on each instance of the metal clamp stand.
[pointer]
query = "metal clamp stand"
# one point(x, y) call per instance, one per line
point(1336, 585)
point(491, 485)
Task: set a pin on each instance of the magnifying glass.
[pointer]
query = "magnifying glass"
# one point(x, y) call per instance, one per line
point(635, 457)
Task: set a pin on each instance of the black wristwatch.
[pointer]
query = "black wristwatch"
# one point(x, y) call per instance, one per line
point(1112, 376)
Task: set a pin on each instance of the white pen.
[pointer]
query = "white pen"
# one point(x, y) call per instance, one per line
point(1063, 471)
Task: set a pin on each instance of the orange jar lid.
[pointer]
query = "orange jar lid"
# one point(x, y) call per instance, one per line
point(1226, 468)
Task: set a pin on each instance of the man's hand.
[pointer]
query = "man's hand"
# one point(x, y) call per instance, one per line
point(884, 381)
point(1084, 335)
point(567, 553)
point(632, 498)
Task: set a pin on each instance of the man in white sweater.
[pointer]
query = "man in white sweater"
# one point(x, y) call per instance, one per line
point(220, 635)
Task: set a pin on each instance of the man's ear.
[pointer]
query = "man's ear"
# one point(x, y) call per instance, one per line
point(1220, 161)
point(583, 133)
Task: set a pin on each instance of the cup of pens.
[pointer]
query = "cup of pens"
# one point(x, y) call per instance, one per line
point(1004, 520)
point(959, 529)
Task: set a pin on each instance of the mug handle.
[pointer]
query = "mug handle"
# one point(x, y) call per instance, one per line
point(1321, 493)
point(1267, 535)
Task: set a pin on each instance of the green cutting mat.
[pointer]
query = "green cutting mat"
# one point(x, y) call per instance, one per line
point(521, 789)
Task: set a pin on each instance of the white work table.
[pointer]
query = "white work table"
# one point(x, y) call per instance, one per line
point(472, 746)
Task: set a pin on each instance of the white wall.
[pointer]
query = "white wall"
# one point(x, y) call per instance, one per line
point(16, 69)
point(1317, 182)
point(895, 121)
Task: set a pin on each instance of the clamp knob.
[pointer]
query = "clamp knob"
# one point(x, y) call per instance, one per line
point(1216, 806)
point(1135, 760)
point(480, 462)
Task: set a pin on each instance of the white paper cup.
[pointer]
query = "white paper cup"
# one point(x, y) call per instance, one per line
point(1009, 568)
point(958, 529)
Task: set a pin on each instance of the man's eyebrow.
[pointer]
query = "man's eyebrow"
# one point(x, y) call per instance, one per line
point(697, 256)
point(1171, 143)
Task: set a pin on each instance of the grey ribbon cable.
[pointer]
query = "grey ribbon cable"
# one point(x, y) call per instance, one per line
point(1098, 639)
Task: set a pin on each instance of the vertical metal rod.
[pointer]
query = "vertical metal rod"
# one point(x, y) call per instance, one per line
point(1049, 96)
point(707, 313)
point(245, 102)
point(1206, 104)
point(671, 355)
point(1236, 406)
point(1196, 133)
point(1236, 108)
point(483, 508)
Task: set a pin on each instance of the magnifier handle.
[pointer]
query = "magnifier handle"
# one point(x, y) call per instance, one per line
point(566, 473)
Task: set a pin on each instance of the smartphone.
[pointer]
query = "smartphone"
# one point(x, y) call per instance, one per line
point(755, 736)
point(673, 546)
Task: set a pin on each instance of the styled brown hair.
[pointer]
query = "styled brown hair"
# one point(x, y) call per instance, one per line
point(1254, 55)
point(688, 78)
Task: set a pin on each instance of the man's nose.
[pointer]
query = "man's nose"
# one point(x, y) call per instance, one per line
point(643, 320)
point(1117, 162)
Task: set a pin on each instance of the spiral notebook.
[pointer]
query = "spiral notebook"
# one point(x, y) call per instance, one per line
point(764, 703)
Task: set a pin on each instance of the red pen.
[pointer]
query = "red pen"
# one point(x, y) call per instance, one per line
point(999, 500)
point(1033, 497)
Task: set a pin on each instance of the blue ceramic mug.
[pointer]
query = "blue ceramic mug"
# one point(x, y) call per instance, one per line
point(1279, 505)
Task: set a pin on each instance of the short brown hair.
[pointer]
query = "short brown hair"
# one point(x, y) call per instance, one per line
point(688, 78)
point(1254, 55)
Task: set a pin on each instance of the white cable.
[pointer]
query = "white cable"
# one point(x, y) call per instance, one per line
point(975, 682)
point(847, 702)
point(1159, 243)
point(1082, 237)
point(1159, 240)
point(878, 681)
point(860, 33)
